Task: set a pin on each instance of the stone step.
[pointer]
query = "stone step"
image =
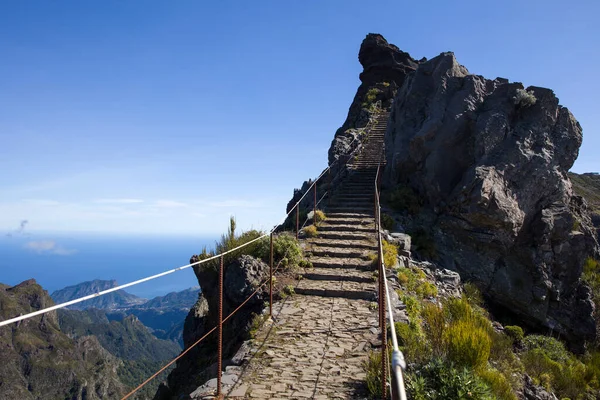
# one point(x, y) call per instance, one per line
point(340, 252)
point(333, 214)
point(346, 228)
point(331, 274)
point(347, 235)
point(343, 289)
point(349, 221)
point(359, 195)
point(341, 262)
point(348, 209)
point(344, 244)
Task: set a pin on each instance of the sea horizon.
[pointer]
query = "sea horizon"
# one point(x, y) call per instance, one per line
point(60, 259)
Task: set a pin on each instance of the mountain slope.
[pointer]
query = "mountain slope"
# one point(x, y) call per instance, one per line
point(128, 339)
point(111, 301)
point(588, 186)
point(41, 362)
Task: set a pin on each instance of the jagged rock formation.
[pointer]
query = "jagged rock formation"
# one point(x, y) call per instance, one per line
point(41, 362)
point(490, 163)
point(241, 278)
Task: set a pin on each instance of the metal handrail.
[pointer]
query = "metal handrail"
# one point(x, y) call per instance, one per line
point(398, 362)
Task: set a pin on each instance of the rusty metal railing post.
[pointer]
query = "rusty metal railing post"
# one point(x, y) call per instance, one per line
point(297, 219)
point(271, 279)
point(220, 344)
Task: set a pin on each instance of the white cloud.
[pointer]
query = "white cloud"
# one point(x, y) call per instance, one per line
point(169, 204)
point(118, 201)
point(48, 247)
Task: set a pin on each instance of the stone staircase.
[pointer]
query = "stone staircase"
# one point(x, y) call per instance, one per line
point(342, 255)
point(320, 337)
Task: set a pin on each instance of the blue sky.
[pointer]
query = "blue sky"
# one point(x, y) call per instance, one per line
point(167, 117)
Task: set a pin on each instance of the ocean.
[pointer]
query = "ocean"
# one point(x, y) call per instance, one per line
point(57, 260)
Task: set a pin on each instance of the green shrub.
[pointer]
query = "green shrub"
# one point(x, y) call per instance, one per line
point(319, 217)
point(553, 348)
point(285, 246)
point(386, 84)
point(412, 341)
point(439, 380)
point(524, 98)
point(387, 222)
point(288, 290)
point(514, 332)
point(413, 306)
point(310, 231)
point(473, 295)
point(468, 344)
point(403, 277)
point(231, 240)
point(370, 97)
point(458, 309)
point(305, 264)
point(434, 325)
point(426, 289)
point(404, 198)
point(498, 383)
point(373, 379)
point(390, 254)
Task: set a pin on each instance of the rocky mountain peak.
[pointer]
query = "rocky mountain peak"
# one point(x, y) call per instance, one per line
point(383, 62)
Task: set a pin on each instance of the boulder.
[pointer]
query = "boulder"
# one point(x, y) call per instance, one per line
point(242, 278)
point(489, 159)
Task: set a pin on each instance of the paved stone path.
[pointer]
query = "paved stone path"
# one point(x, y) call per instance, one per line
point(321, 336)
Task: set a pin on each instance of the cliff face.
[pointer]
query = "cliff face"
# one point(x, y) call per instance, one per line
point(39, 361)
point(240, 278)
point(490, 161)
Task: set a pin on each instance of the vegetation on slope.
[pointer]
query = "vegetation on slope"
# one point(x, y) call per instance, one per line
point(453, 350)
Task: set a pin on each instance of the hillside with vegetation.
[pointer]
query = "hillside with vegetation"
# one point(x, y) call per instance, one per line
point(39, 361)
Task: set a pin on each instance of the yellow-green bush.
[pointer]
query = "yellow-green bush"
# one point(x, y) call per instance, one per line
point(390, 254)
point(498, 383)
point(514, 332)
point(468, 344)
point(402, 278)
point(319, 217)
point(373, 379)
point(412, 341)
point(413, 306)
point(426, 289)
point(473, 295)
point(310, 231)
point(434, 325)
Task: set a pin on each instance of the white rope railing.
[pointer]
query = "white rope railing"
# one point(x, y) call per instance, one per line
point(398, 362)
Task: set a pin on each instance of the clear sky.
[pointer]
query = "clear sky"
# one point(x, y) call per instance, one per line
point(169, 116)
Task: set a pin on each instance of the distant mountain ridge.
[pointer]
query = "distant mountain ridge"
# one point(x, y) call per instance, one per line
point(163, 315)
point(110, 301)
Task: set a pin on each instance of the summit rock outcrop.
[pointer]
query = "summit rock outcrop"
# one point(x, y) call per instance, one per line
point(489, 161)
